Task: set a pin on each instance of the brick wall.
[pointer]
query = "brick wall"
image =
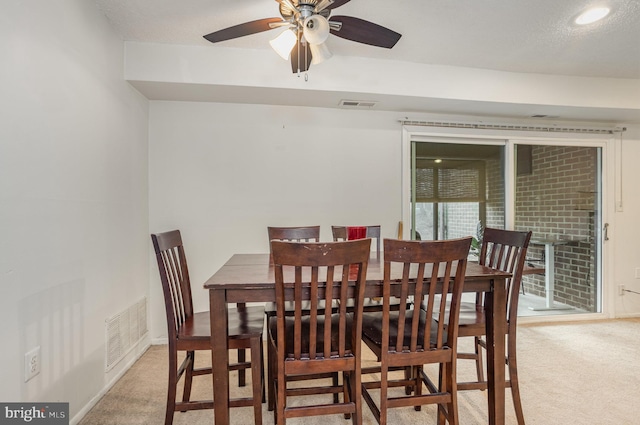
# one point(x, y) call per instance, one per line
point(556, 201)
point(495, 194)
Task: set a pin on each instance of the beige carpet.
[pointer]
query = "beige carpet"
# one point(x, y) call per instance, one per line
point(571, 373)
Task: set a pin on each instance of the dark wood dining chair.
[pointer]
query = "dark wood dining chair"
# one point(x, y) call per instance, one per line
point(320, 341)
point(504, 250)
point(340, 233)
point(189, 332)
point(296, 233)
point(374, 232)
point(409, 338)
point(293, 234)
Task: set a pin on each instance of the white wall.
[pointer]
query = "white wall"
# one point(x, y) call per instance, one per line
point(222, 173)
point(73, 197)
point(626, 232)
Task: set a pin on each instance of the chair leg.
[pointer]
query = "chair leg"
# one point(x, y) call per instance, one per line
point(242, 376)
point(355, 394)
point(171, 390)
point(281, 397)
point(262, 371)
point(271, 358)
point(256, 378)
point(449, 384)
point(384, 377)
point(242, 355)
point(408, 370)
point(515, 386)
point(346, 392)
point(479, 362)
point(453, 406)
point(188, 376)
point(417, 384)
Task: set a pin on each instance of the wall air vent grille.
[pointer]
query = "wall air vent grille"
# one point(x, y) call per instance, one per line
point(123, 331)
point(362, 104)
point(513, 127)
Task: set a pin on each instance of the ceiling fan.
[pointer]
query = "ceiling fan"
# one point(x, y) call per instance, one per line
point(308, 24)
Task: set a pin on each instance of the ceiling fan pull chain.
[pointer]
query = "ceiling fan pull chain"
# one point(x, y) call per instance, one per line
point(298, 47)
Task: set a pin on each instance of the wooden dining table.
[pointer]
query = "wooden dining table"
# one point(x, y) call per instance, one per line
point(246, 278)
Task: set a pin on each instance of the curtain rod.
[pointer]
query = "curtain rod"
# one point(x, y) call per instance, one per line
point(513, 127)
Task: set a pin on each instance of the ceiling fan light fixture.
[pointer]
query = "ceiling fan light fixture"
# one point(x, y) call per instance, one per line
point(283, 43)
point(319, 53)
point(316, 29)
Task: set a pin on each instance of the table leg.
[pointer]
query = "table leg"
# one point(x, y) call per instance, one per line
point(496, 315)
point(219, 355)
point(549, 280)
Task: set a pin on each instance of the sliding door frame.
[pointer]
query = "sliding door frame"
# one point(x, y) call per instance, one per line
point(609, 201)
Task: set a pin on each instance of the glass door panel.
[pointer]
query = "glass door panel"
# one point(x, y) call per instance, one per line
point(557, 196)
point(457, 189)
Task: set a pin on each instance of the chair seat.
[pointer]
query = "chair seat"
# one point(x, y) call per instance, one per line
point(372, 327)
point(242, 324)
point(289, 323)
point(470, 314)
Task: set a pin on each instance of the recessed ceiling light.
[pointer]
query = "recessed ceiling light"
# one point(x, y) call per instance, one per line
point(592, 15)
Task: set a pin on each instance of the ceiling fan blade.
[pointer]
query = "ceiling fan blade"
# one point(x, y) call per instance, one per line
point(300, 57)
point(241, 30)
point(361, 31)
point(337, 3)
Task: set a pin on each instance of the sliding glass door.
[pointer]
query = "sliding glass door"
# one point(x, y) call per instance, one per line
point(552, 189)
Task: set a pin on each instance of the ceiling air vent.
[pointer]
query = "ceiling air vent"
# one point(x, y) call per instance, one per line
point(545, 116)
point(363, 104)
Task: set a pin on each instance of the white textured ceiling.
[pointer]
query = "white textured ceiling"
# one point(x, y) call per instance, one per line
point(508, 35)
point(529, 37)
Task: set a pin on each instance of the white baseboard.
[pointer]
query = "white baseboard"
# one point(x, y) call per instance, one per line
point(628, 316)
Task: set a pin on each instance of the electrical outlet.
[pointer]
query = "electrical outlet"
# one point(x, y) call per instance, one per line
point(620, 289)
point(31, 364)
point(637, 272)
